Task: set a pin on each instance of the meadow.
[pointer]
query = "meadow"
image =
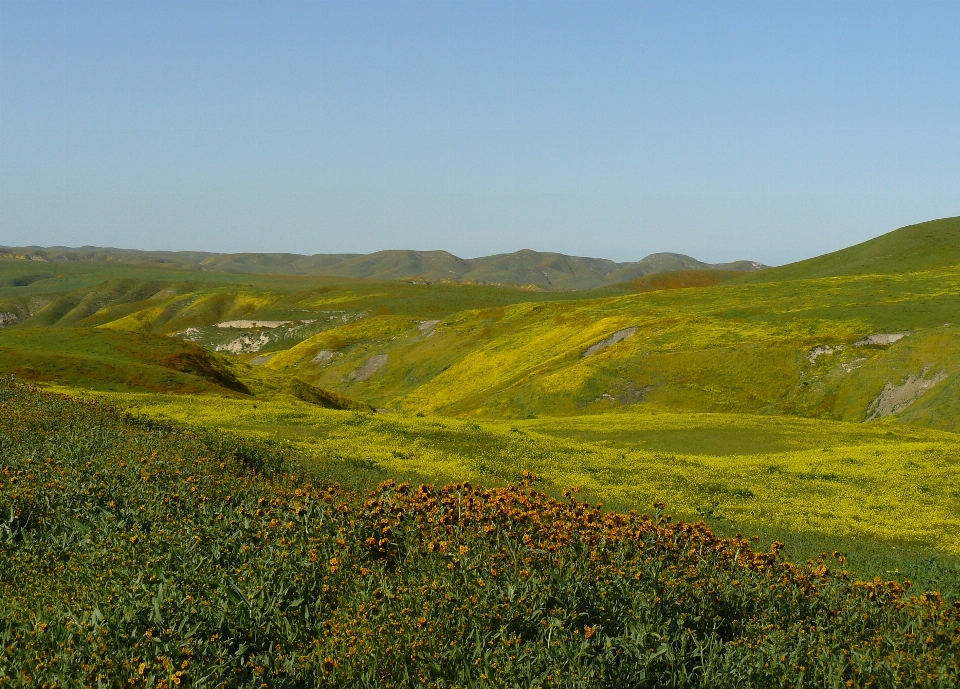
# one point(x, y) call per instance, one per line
point(811, 484)
point(141, 553)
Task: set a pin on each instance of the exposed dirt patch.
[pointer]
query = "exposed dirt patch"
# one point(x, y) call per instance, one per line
point(618, 336)
point(880, 339)
point(631, 394)
point(371, 366)
point(895, 398)
point(426, 328)
point(323, 356)
point(262, 359)
point(853, 365)
point(246, 343)
point(822, 350)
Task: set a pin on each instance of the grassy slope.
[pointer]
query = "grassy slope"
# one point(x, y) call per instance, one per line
point(164, 299)
point(109, 360)
point(734, 347)
point(730, 347)
point(105, 360)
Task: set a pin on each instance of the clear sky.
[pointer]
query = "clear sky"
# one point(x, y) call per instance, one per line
point(764, 130)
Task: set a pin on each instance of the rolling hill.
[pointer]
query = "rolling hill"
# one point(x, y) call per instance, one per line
point(846, 346)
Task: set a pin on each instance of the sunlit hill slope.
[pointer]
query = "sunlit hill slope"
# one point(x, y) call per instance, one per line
point(849, 347)
point(670, 386)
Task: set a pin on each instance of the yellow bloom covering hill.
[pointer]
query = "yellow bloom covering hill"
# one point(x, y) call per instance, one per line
point(695, 395)
point(732, 347)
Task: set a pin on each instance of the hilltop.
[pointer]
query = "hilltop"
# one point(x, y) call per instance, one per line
point(924, 246)
point(525, 268)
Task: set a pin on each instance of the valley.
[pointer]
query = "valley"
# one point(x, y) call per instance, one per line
point(816, 405)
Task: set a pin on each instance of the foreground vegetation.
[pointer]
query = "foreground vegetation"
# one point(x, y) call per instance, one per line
point(144, 554)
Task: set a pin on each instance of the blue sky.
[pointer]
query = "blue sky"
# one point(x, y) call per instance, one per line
point(771, 131)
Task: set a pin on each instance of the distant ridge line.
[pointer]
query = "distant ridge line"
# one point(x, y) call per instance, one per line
point(524, 268)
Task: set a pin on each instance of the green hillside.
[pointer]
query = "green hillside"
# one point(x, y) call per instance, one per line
point(774, 348)
point(925, 246)
point(877, 346)
point(109, 360)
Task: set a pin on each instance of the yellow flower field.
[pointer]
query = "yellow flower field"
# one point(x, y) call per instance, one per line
point(879, 481)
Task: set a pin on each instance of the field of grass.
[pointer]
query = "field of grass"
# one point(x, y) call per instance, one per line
point(68, 294)
point(144, 554)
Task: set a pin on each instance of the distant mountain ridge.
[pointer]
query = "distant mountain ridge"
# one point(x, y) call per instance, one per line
point(524, 268)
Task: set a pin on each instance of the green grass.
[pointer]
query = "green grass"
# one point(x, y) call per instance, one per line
point(726, 434)
point(732, 347)
point(129, 288)
point(147, 554)
point(106, 360)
